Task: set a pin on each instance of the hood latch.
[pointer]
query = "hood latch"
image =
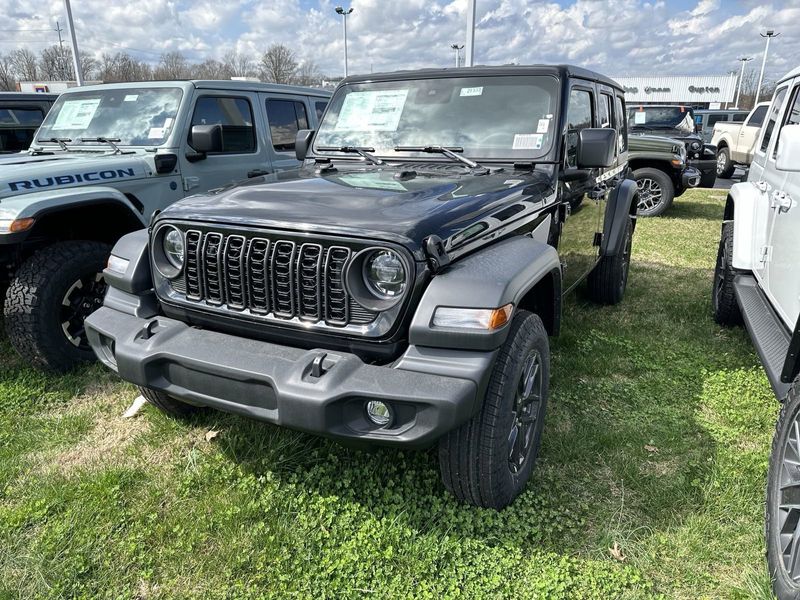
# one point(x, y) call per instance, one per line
point(437, 255)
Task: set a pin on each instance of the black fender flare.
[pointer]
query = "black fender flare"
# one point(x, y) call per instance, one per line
point(791, 366)
point(490, 278)
point(621, 205)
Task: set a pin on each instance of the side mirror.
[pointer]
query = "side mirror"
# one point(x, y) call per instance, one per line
point(207, 138)
point(788, 158)
point(597, 148)
point(302, 143)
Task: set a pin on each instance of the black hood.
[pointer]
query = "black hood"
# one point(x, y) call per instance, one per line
point(364, 201)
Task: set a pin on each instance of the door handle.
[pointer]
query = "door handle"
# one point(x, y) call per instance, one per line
point(257, 173)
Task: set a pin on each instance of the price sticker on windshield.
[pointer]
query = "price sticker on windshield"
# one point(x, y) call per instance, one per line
point(527, 141)
point(544, 125)
point(639, 117)
point(76, 114)
point(471, 91)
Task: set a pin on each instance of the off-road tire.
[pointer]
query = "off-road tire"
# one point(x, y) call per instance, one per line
point(782, 584)
point(607, 282)
point(474, 459)
point(725, 166)
point(33, 303)
point(667, 190)
point(723, 297)
point(169, 405)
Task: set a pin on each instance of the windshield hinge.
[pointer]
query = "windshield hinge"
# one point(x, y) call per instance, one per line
point(523, 166)
point(437, 255)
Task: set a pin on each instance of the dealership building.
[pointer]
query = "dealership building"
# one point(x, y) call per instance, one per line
point(708, 91)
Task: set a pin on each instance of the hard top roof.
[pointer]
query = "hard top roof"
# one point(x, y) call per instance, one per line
point(212, 84)
point(557, 70)
point(26, 96)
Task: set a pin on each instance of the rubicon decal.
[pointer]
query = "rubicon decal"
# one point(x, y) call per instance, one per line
point(87, 177)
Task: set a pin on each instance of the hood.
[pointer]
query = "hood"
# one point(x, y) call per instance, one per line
point(386, 203)
point(652, 143)
point(25, 173)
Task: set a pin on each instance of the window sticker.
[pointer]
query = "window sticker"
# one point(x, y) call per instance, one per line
point(471, 91)
point(640, 117)
point(131, 98)
point(76, 114)
point(527, 141)
point(372, 111)
point(544, 125)
point(156, 133)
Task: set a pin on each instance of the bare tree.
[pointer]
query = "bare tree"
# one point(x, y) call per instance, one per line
point(307, 73)
point(123, 67)
point(211, 69)
point(173, 65)
point(55, 64)
point(278, 64)
point(239, 65)
point(26, 67)
point(8, 79)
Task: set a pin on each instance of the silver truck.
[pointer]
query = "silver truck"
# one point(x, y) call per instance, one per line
point(103, 163)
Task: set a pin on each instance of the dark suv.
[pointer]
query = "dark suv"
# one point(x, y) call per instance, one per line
point(677, 122)
point(400, 288)
point(20, 117)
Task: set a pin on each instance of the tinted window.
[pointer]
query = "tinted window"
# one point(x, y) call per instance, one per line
point(792, 114)
point(605, 110)
point(236, 118)
point(579, 116)
point(758, 117)
point(319, 107)
point(715, 118)
point(30, 117)
point(774, 109)
point(286, 118)
point(739, 117)
point(622, 123)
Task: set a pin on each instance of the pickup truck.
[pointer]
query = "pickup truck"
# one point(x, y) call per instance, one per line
point(735, 141)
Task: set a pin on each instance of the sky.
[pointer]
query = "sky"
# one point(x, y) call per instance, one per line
point(615, 37)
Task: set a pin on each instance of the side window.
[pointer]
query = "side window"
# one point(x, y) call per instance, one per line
point(605, 111)
point(236, 117)
point(739, 117)
point(774, 110)
point(286, 118)
point(792, 115)
point(320, 108)
point(715, 119)
point(579, 116)
point(758, 117)
point(622, 124)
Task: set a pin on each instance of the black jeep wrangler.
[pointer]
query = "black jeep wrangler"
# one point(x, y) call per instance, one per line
point(400, 287)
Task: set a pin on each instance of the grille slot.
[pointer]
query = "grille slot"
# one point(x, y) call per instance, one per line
point(257, 277)
point(212, 271)
point(337, 304)
point(282, 279)
point(192, 268)
point(234, 271)
point(308, 282)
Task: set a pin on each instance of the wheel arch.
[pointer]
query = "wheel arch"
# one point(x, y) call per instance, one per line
point(621, 205)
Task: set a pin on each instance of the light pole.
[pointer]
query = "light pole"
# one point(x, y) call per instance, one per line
point(76, 60)
point(469, 55)
point(769, 35)
point(344, 14)
point(744, 60)
point(457, 49)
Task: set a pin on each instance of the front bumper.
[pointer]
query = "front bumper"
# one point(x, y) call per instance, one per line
point(277, 384)
point(690, 177)
point(704, 165)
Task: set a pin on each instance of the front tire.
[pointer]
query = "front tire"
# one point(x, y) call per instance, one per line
point(723, 297)
point(725, 166)
point(169, 405)
point(489, 459)
point(656, 191)
point(782, 522)
point(48, 299)
point(609, 279)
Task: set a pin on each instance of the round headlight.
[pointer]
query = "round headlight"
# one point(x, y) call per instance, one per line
point(695, 145)
point(385, 274)
point(173, 247)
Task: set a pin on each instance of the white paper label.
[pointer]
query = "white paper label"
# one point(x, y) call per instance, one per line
point(76, 114)
point(131, 98)
point(544, 125)
point(168, 122)
point(473, 91)
point(640, 117)
point(372, 111)
point(156, 133)
point(527, 141)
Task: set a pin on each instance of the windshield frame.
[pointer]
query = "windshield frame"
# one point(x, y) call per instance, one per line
point(550, 156)
point(126, 89)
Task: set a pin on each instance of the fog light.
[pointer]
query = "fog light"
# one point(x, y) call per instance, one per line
point(379, 413)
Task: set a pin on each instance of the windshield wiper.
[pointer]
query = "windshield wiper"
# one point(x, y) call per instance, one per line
point(449, 151)
point(105, 140)
point(363, 151)
point(62, 142)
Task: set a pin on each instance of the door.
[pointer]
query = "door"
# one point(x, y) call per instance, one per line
point(783, 283)
point(242, 155)
point(579, 214)
point(748, 133)
point(286, 115)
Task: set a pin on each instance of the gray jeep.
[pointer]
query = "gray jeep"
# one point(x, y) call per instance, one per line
point(402, 286)
point(104, 161)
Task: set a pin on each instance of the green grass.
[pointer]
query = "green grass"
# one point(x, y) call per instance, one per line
point(656, 440)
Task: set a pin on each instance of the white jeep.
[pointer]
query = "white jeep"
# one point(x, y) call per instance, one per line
point(757, 281)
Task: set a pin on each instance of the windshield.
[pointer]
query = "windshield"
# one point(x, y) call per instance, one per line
point(135, 116)
point(661, 117)
point(487, 117)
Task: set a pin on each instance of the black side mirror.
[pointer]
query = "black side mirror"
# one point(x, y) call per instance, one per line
point(207, 138)
point(302, 142)
point(597, 148)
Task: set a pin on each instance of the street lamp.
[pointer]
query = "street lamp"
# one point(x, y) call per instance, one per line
point(769, 35)
point(344, 13)
point(457, 49)
point(744, 60)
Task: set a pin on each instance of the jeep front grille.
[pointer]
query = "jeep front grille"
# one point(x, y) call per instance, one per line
point(269, 277)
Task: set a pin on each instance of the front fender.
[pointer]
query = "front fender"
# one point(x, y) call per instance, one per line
point(620, 207)
point(490, 278)
point(746, 226)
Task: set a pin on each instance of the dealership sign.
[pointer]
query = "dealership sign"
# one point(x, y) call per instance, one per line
point(678, 89)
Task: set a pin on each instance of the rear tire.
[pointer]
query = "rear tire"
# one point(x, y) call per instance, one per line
point(656, 191)
point(723, 297)
point(169, 405)
point(48, 299)
point(609, 279)
point(489, 459)
point(782, 523)
point(725, 166)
